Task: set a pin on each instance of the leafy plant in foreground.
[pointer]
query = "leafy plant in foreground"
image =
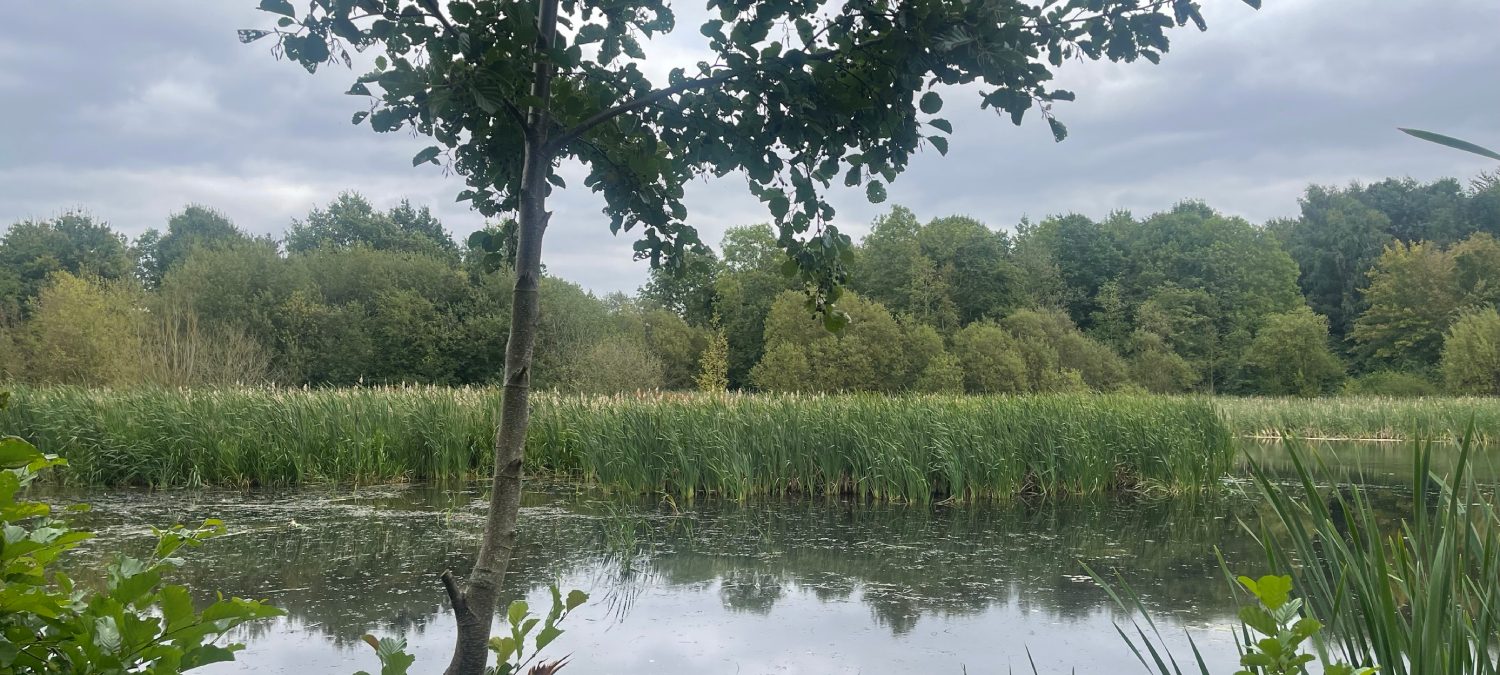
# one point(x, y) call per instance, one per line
point(135, 624)
point(1279, 618)
point(509, 650)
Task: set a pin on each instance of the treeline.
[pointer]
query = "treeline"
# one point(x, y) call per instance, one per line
point(1386, 288)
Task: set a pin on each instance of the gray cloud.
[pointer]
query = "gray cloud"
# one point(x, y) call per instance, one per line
point(133, 109)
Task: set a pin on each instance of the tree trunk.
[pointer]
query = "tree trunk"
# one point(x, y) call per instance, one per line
point(474, 605)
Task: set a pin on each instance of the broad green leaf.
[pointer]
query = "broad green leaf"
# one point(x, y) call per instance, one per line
point(940, 143)
point(942, 124)
point(1452, 142)
point(16, 452)
point(576, 598)
point(930, 103)
point(278, 7)
point(428, 154)
point(516, 612)
point(875, 192)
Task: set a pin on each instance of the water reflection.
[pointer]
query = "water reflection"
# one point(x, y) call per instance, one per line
point(816, 587)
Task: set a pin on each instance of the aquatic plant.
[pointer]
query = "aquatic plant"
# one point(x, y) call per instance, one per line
point(911, 448)
point(135, 623)
point(1379, 418)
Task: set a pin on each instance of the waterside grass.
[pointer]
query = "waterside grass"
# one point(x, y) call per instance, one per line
point(1364, 418)
point(913, 449)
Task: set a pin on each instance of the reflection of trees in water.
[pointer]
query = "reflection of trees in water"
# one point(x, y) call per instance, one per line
point(343, 565)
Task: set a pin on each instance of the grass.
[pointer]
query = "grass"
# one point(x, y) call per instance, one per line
point(1410, 593)
point(912, 449)
point(1373, 418)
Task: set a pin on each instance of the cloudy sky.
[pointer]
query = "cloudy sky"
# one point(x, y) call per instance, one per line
point(131, 109)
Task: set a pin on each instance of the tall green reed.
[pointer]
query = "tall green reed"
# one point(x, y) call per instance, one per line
point(914, 449)
point(1412, 593)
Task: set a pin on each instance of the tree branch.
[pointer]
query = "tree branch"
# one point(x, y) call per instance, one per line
point(603, 116)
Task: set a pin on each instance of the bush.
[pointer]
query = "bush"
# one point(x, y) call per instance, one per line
point(1390, 383)
point(1471, 353)
point(135, 623)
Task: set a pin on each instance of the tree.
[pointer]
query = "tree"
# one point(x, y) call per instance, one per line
point(32, 251)
point(1154, 366)
point(1290, 355)
point(1413, 295)
point(195, 226)
point(350, 221)
point(1086, 255)
point(688, 290)
point(990, 359)
point(837, 86)
point(1471, 353)
point(84, 331)
point(748, 284)
point(713, 374)
point(1335, 242)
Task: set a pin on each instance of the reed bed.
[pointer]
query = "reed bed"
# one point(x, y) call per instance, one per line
point(1366, 418)
point(913, 449)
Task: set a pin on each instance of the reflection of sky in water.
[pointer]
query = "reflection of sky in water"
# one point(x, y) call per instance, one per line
point(780, 587)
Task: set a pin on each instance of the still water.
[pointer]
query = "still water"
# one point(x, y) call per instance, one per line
point(821, 586)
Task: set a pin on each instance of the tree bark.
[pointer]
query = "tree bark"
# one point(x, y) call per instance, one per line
point(474, 605)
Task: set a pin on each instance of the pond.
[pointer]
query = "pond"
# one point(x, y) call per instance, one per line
point(822, 586)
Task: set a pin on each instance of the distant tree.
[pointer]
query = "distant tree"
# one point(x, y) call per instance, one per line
point(1476, 269)
point(1413, 296)
point(750, 281)
point(973, 266)
point(676, 345)
point(1194, 261)
point(793, 95)
point(32, 251)
point(85, 330)
point(990, 359)
point(686, 290)
point(1290, 355)
point(243, 286)
point(1390, 383)
point(713, 373)
point(784, 368)
point(1335, 242)
point(1471, 353)
point(1158, 369)
point(861, 357)
point(943, 375)
point(1060, 355)
point(1087, 256)
point(195, 226)
point(350, 220)
point(614, 366)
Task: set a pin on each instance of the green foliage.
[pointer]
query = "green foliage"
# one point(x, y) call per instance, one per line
point(1157, 368)
point(194, 227)
point(1390, 383)
point(84, 331)
point(1335, 242)
point(1290, 355)
point(510, 651)
point(1418, 596)
point(1364, 417)
point(1471, 353)
point(74, 242)
point(351, 221)
point(991, 360)
point(908, 448)
point(492, 86)
point(1413, 295)
point(134, 623)
point(858, 358)
point(713, 374)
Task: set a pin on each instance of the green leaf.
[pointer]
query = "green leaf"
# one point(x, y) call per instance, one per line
point(359, 116)
point(875, 192)
point(545, 637)
point(835, 321)
point(1059, 132)
point(428, 154)
point(942, 124)
point(278, 7)
point(576, 598)
point(16, 452)
point(780, 205)
point(940, 143)
point(931, 103)
point(516, 612)
point(1452, 142)
point(248, 36)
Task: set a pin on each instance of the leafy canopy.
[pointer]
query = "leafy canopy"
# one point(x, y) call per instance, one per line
point(795, 94)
